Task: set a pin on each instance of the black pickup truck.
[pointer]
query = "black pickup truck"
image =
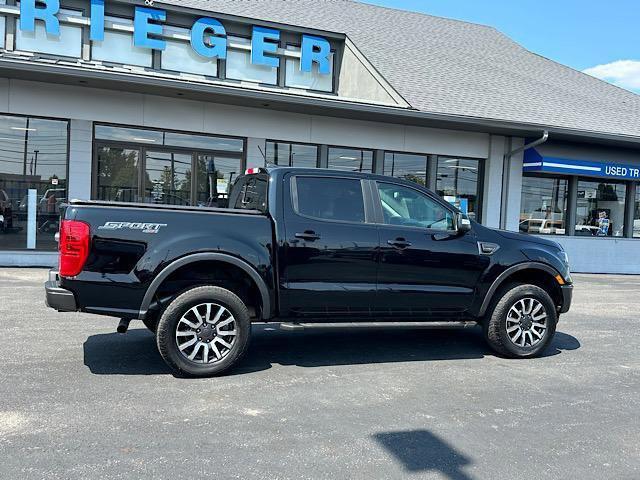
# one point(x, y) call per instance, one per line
point(303, 246)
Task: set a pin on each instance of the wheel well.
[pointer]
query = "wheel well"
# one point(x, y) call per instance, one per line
point(209, 272)
point(537, 277)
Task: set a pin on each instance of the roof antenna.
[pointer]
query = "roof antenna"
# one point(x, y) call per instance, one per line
point(264, 157)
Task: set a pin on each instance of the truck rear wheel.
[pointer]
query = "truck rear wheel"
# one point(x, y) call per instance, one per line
point(204, 331)
point(522, 322)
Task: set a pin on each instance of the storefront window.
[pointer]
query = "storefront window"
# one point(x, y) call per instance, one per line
point(67, 44)
point(152, 166)
point(543, 205)
point(600, 209)
point(292, 154)
point(458, 182)
point(33, 181)
point(351, 159)
point(239, 66)
point(406, 166)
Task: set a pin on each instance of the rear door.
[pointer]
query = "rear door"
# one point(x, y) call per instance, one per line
point(329, 259)
point(427, 269)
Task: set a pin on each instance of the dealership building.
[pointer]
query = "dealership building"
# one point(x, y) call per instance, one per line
point(167, 102)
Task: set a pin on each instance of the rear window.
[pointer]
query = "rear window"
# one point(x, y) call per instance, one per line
point(326, 198)
point(250, 193)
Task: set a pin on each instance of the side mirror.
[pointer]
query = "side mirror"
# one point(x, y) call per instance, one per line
point(463, 223)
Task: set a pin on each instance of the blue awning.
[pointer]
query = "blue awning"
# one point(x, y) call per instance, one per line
point(535, 162)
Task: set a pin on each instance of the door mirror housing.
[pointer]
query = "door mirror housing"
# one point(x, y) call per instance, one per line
point(463, 223)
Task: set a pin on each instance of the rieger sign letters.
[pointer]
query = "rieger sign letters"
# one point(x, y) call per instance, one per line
point(208, 35)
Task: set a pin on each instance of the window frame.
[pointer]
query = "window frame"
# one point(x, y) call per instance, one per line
point(372, 150)
point(143, 147)
point(291, 143)
point(396, 152)
point(68, 158)
point(366, 202)
point(625, 204)
point(480, 182)
point(377, 205)
point(567, 207)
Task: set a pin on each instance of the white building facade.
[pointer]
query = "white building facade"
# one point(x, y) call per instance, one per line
point(129, 102)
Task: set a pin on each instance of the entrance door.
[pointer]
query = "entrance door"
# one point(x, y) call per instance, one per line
point(427, 269)
point(167, 177)
point(215, 175)
point(328, 261)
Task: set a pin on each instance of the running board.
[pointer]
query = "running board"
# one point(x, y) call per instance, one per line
point(372, 325)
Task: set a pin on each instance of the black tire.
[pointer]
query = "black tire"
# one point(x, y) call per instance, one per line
point(168, 326)
point(151, 322)
point(495, 325)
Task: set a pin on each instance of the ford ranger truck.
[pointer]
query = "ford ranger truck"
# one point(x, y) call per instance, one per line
point(304, 246)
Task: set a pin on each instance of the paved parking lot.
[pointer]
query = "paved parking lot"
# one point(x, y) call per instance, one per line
point(78, 400)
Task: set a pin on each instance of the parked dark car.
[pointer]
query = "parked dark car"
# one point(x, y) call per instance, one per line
point(304, 246)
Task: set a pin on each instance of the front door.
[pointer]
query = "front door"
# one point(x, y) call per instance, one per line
point(167, 177)
point(329, 258)
point(427, 269)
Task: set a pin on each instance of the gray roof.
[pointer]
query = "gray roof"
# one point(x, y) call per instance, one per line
point(456, 68)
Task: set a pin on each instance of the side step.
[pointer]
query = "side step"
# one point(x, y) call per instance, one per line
point(288, 326)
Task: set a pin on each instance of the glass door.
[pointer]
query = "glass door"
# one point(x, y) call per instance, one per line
point(167, 177)
point(215, 175)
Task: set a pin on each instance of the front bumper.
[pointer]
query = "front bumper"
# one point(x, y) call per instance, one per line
point(57, 297)
point(567, 295)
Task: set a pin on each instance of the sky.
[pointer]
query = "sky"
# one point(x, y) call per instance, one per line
point(599, 37)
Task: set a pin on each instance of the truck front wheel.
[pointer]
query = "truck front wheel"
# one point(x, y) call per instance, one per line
point(522, 322)
point(204, 331)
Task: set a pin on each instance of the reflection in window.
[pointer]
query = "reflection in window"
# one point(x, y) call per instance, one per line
point(239, 66)
point(407, 207)
point(33, 155)
point(118, 47)
point(68, 44)
point(2, 25)
point(312, 80)
point(117, 178)
point(180, 57)
point(406, 166)
point(330, 198)
point(600, 209)
point(169, 139)
point(458, 183)
point(292, 154)
point(351, 159)
point(215, 175)
point(168, 177)
point(543, 205)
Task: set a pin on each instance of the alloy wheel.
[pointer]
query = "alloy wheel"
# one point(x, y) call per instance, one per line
point(526, 322)
point(206, 333)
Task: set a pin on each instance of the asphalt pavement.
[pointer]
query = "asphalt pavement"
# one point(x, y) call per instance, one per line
point(78, 400)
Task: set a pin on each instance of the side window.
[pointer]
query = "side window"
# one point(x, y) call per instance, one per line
point(408, 207)
point(329, 198)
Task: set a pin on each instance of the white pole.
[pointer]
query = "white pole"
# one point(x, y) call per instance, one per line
point(31, 218)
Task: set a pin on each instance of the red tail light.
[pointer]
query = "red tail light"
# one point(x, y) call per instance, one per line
point(73, 247)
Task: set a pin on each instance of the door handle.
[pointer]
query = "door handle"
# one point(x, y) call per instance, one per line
point(308, 235)
point(399, 243)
